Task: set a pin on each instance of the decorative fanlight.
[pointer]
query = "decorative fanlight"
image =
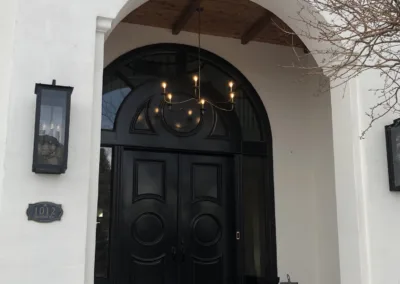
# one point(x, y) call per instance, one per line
point(201, 100)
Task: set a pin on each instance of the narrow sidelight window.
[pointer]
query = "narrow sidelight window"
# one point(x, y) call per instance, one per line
point(254, 221)
point(103, 214)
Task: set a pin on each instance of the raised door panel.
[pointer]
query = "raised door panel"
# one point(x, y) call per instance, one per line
point(150, 179)
point(149, 212)
point(206, 221)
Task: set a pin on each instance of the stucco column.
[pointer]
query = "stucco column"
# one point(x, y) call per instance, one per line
point(48, 40)
point(350, 196)
point(102, 26)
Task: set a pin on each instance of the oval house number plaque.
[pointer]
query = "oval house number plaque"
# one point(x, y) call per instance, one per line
point(44, 212)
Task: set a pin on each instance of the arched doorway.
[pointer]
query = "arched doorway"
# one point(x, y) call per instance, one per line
point(183, 196)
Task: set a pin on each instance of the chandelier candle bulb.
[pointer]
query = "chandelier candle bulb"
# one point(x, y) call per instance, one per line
point(164, 86)
point(231, 85)
point(169, 102)
point(202, 102)
point(195, 79)
point(232, 97)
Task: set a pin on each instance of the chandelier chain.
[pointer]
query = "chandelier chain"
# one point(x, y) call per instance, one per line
point(199, 48)
point(197, 82)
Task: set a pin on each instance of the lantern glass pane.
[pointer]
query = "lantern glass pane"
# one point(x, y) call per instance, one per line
point(52, 127)
point(396, 154)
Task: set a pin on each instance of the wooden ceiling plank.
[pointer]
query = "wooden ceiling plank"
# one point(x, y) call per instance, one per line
point(256, 28)
point(185, 16)
point(223, 18)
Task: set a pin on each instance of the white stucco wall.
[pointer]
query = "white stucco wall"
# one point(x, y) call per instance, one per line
point(7, 31)
point(51, 39)
point(302, 145)
point(382, 207)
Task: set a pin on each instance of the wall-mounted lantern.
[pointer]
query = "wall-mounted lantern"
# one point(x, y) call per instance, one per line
point(393, 154)
point(50, 150)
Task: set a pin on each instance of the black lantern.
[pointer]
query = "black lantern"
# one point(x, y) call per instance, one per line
point(50, 150)
point(393, 154)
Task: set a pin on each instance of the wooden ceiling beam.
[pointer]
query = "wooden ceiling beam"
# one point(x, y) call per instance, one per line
point(185, 16)
point(256, 28)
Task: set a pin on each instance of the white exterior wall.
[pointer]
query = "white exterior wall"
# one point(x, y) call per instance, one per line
point(53, 39)
point(302, 146)
point(382, 206)
point(7, 30)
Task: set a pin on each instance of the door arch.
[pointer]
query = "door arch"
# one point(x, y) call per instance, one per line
point(133, 118)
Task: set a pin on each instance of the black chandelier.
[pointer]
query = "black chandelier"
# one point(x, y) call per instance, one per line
point(201, 100)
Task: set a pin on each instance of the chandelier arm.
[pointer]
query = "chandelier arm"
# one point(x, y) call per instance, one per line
point(226, 102)
point(220, 108)
point(177, 103)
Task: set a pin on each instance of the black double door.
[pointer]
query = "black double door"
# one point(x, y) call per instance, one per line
point(176, 219)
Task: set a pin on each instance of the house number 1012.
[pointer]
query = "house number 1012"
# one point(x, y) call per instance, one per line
point(44, 212)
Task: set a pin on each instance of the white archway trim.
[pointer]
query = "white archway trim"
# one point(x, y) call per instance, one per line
point(351, 211)
point(350, 192)
point(361, 192)
point(124, 11)
point(103, 25)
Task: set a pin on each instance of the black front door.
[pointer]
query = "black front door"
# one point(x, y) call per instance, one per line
point(176, 219)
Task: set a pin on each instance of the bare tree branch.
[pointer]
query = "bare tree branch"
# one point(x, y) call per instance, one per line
point(361, 35)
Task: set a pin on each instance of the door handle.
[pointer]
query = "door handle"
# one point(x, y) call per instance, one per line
point(173, 252)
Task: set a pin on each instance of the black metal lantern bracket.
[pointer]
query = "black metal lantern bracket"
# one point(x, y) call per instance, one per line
point(392, 133)
point(52, 117)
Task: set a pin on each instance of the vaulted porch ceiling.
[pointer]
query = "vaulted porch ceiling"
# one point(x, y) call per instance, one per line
point(239, 19)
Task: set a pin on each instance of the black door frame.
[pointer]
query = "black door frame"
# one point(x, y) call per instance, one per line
point(254, 148)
